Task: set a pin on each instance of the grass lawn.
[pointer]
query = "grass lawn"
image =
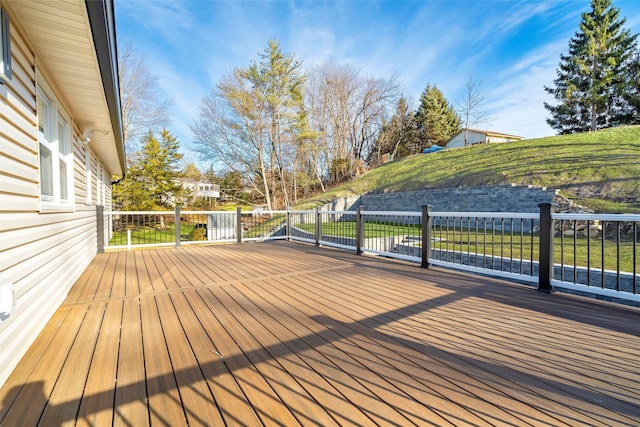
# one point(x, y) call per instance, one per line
point(371, 229)
point(151, 235)
point(585, 251)
point(599, 169)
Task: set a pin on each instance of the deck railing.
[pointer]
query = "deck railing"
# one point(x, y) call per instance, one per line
point(501, 244)
point(597, 254)
point(129, 229)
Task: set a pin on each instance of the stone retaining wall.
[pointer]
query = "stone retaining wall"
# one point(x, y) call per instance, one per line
point(498, 198)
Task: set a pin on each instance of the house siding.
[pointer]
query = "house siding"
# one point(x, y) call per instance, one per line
point(497, 139)
point(472, 138)
point(479, 137)
point(42, 254)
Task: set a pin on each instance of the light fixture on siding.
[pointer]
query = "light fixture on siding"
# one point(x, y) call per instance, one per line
point(88, 133)
point(7, 300)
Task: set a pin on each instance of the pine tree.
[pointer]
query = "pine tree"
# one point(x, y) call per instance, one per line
point(633, 93)
point(151, 183)
point(592, 80)
point(398, 136)
point(279, 81)
point(436, 119)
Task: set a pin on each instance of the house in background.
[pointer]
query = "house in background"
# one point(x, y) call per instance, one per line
point(61, 143)
point(475, 136)
point(199, 189)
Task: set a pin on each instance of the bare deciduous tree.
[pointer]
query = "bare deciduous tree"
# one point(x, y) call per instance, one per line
point(144, 107)
point(283, 130)
point(252, 123)
point(471, 107)
point(231, 130)
point(347, 110)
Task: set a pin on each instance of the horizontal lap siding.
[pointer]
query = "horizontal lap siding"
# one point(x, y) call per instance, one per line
point(19, 154)
point(41, 254)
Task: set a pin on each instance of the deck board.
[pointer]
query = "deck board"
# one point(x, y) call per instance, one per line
point(37, 382)
point(289, 334)
point(163, 279)
point(131, 390)
point(404, 373)
point(391, 354)
point(113, 273)
point(165, 406)
point(341, 367)
point(91, 277)
point(192, 385)
point(225, 390)
point(449, 380)
point(64, 400)
point(96, 407)
point(462, 340)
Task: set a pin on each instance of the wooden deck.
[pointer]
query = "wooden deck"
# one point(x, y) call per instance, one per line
point(288, 334)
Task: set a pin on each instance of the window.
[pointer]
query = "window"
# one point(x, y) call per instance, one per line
point(5, 47)
point(56, 155)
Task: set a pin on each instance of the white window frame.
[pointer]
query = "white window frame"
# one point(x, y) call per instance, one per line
point(64, 140)
point(55, 137)
point(5, 46)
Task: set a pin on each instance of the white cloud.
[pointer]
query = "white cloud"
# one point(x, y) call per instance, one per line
point(512, 47)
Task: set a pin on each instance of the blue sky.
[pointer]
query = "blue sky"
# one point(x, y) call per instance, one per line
point(511, 47)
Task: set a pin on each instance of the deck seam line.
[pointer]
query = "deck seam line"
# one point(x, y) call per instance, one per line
point(151, 292)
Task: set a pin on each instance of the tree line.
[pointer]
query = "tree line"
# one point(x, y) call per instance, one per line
point(290, 133)
point(285, 133)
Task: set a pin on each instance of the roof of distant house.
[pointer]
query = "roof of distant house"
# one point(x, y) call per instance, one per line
point(492, 133)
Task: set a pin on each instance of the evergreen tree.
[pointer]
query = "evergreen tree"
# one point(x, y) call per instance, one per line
point(192, 172)
point(191, 177)
point(210, 176)
point(151, 183)
point(633, 93)
point(398, 136)
point(436, 119)
point(232, 187)
point(279, 81)
point(592, 80)
point(250, 123)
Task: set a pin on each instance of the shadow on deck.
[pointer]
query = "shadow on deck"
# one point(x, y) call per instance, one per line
point(287, 334)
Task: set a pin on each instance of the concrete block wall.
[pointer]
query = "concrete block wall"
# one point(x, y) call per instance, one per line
point(342, 204)
point(499, 198)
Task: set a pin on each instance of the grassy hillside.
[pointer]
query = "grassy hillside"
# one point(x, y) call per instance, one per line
point(600, 169)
